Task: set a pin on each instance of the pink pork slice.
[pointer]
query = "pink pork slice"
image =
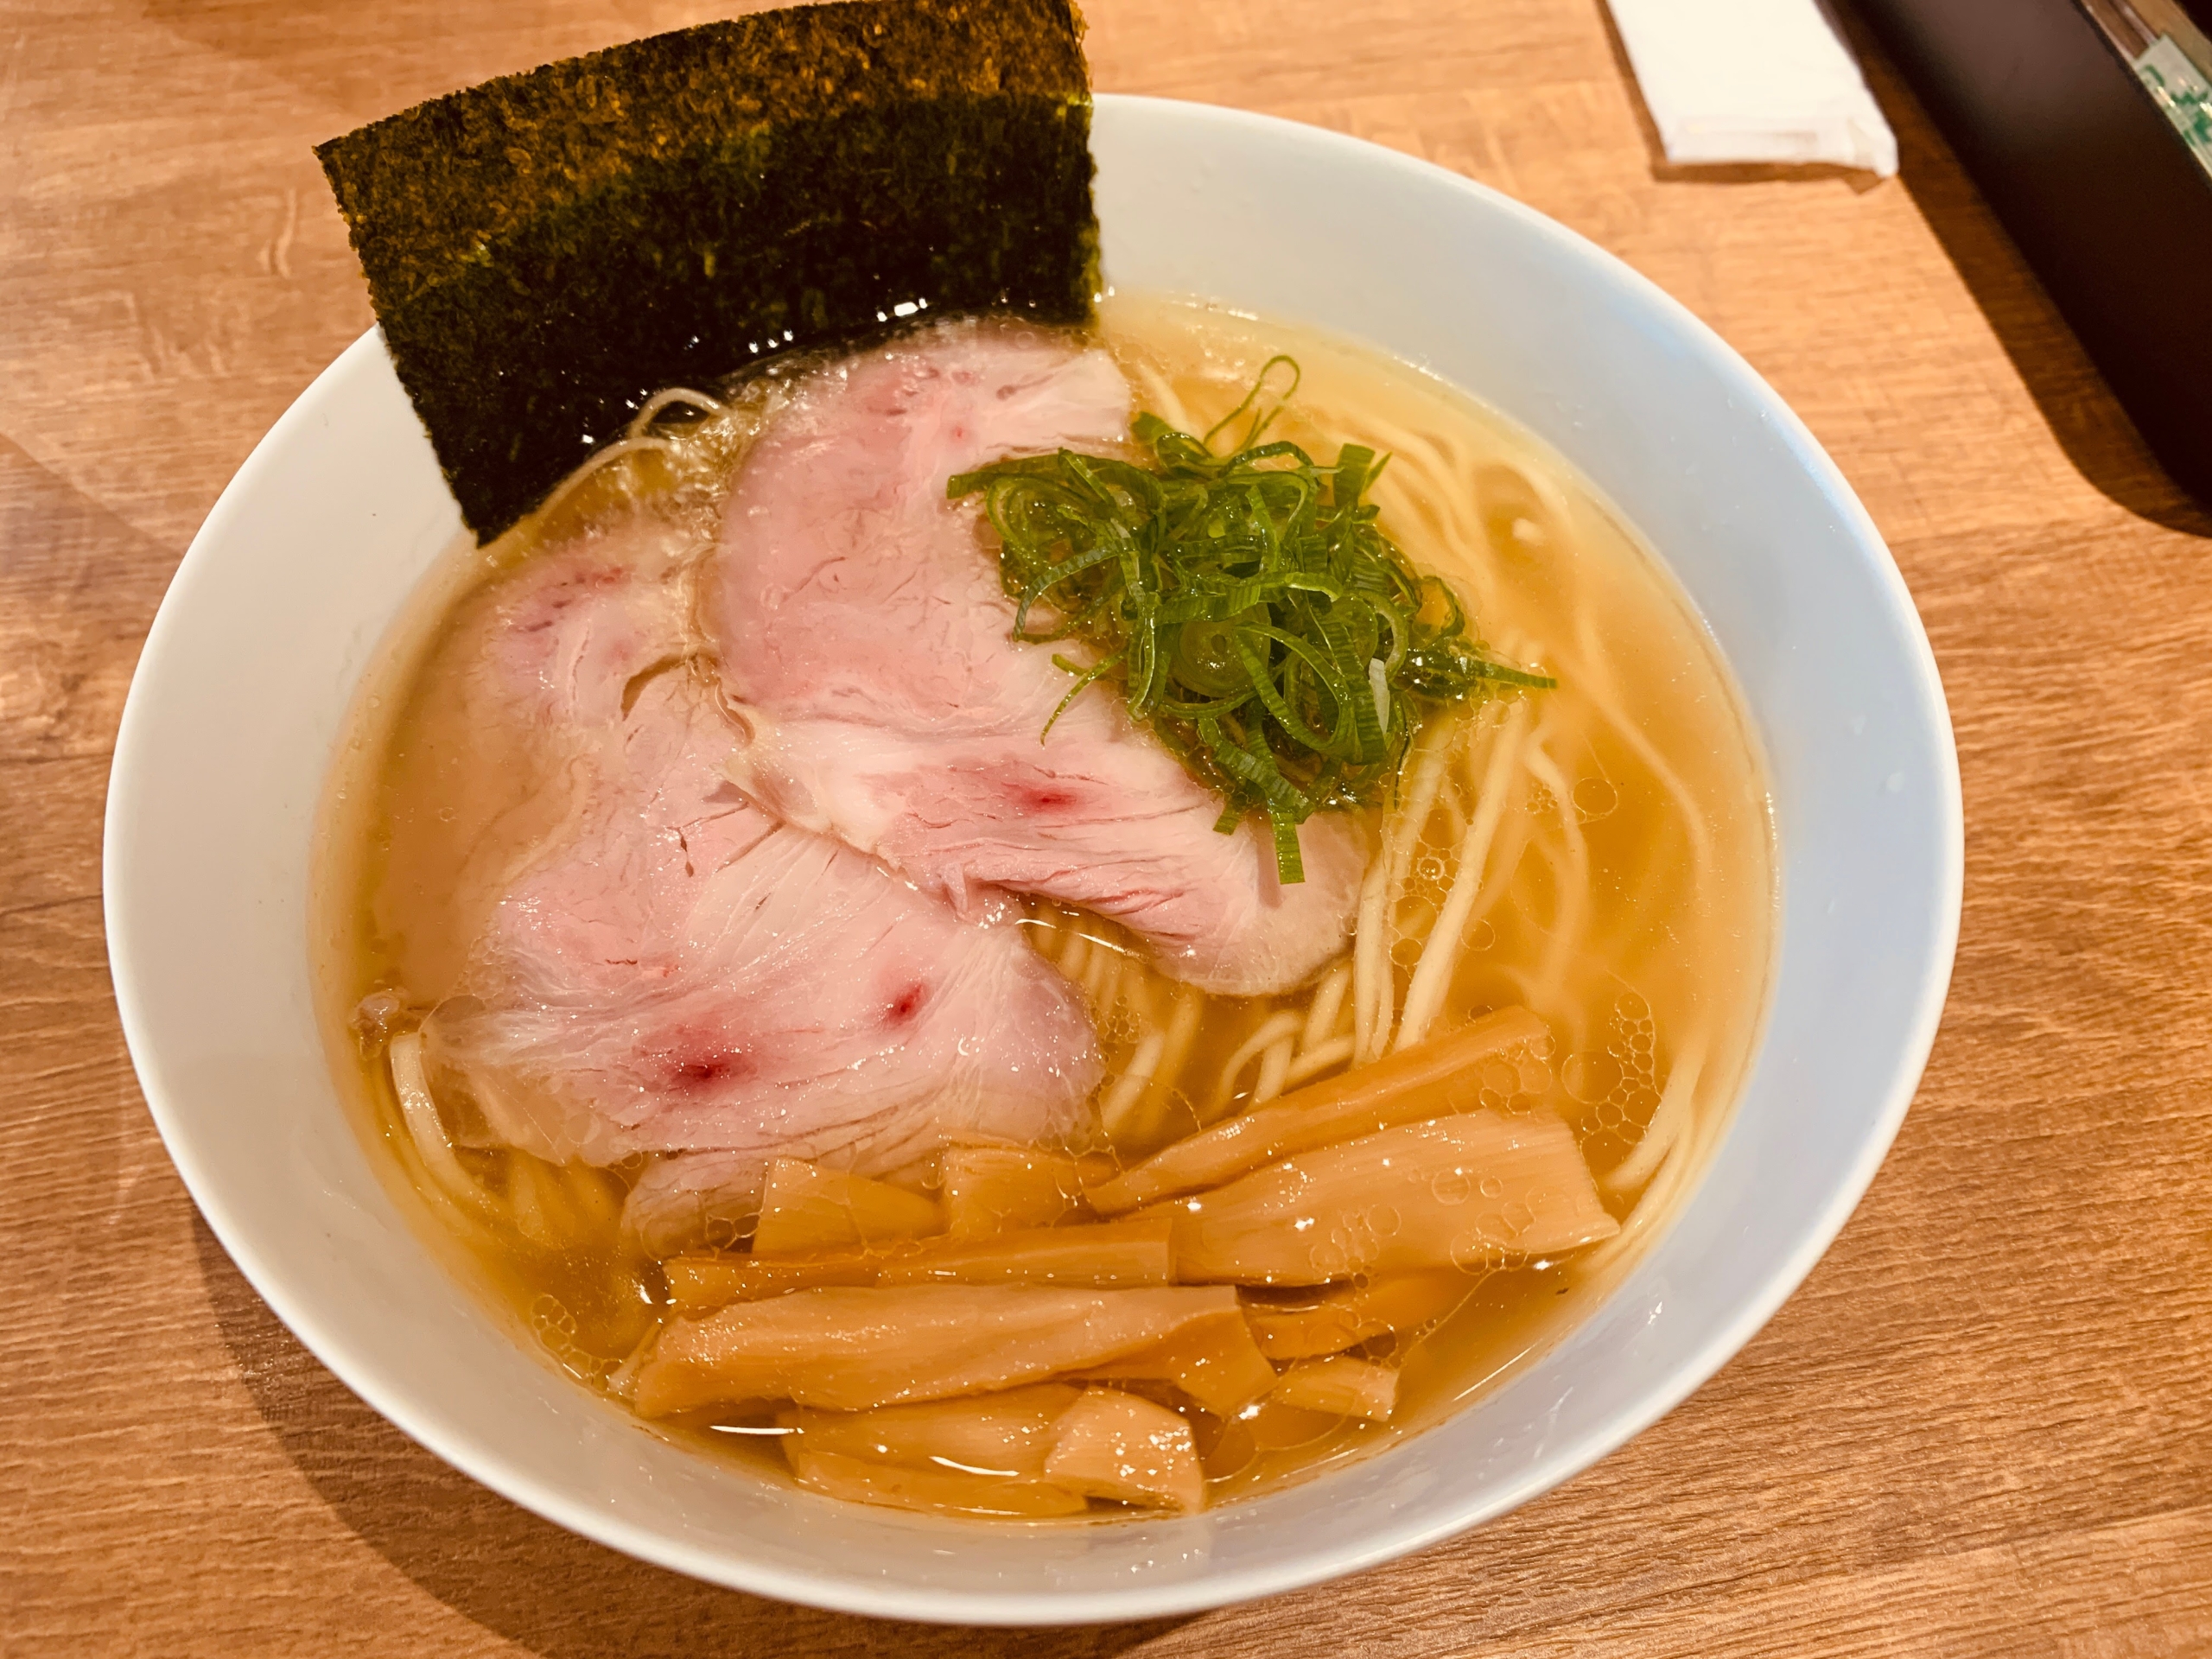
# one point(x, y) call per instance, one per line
point(675, 971)
point(864, 644)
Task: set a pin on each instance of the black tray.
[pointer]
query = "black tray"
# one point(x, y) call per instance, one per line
point(2104, 196)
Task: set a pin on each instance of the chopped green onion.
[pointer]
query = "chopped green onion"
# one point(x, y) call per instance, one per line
point(1249, 606)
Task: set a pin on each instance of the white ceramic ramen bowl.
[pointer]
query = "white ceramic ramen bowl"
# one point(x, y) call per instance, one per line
point(311, 551)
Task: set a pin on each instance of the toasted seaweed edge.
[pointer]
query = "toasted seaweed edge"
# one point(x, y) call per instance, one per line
point(531, 291)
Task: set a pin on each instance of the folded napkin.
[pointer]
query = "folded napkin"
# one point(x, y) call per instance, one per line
point(1752, 81)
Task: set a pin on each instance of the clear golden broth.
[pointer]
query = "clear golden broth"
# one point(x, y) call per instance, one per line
point(1631, 896)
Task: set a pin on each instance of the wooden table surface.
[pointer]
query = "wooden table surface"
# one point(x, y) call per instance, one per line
point(1983, 1426)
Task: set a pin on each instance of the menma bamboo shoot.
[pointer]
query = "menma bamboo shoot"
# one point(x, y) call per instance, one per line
point(1127, 1449)
point(850, 1350)
point(1460, 1191)
point(1438, 1077)
point(1344, 1318)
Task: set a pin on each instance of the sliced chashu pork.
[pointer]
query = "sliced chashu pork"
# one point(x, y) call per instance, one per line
point(864, 641)
point(673, 971)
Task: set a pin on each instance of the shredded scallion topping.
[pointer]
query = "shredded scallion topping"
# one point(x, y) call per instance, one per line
point(1248, 608)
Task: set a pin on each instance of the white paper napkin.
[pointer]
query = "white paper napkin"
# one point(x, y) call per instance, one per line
point(1752, 81)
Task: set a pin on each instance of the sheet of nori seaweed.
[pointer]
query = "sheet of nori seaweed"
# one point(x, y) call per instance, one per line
point(547, 250)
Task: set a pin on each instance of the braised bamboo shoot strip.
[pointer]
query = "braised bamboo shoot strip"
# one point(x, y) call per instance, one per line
point(700, 1284)
point(1110, 1255)
point(936, 1491)
point(1343, 1388)
point(806, 1209)
point(1215, 1361)
point(1458, 1192)
point(850, 1350)
point(1345, 1319)
point(1128, 1449)
point(1103, 1256)
point(996, 1189)
point(1003, 1434)
point(1416, 1084)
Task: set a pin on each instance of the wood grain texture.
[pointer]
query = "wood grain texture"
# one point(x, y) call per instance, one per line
point(1983, 1427)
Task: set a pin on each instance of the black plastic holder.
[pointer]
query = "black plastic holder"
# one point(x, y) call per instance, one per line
point(2104, 197)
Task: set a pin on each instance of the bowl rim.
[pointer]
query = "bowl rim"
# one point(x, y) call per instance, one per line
point(1300, 1567)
